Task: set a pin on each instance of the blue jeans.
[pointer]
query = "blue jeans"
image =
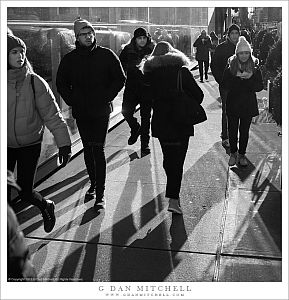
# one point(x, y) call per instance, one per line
point(223, 95)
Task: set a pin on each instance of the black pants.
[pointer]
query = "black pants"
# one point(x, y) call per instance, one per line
point(174, 154)
point(27, 160)
point(131, 98)
point(201, 64)
point(93, 136)
point(242, 125)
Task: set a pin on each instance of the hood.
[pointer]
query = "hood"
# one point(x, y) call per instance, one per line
point(169, 59)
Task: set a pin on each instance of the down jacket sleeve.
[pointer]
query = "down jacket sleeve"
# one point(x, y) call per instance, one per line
point(50, 113)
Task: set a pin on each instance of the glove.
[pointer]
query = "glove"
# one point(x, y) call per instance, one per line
point(64, 155)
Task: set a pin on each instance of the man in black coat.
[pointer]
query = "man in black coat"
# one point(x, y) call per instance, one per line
point(88, 79)
point(203, 44)
point(135, 93)
point(218, 65)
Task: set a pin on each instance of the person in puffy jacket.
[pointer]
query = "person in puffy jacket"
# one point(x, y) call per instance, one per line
point(218, 64)
point(161, 71)
point(242, 79)
point(29, 110)
point(88, 79)
point(132, 54)
point(203, 44)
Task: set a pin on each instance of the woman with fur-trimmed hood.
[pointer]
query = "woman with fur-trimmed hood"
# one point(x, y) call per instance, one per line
point(161, 71)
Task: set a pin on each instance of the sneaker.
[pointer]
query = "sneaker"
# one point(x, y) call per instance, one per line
point(99, 202)
point(243, 160)
point(225, 143)
point(48, 216)
point(91, 191)
point(134, 135)
point(174, 206)
point(233, 159)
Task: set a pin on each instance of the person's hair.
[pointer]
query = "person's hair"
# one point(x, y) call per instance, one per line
point(236, 65)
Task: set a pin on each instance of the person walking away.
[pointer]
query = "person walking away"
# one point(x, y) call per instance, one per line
point(88, 79)
point(215, 42)
point(19, 265)
point(161, 71)
point(203, 44)
point(138, 48)
point(242, 79)
point(218, 64)
point(31, 105)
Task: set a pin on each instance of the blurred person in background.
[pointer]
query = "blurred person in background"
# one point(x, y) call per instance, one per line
point(204, 45)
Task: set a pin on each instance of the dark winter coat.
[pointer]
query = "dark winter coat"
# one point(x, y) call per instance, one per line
point(203, 48)
point(130, 58)
point(161, 76)
point(88, 79)
point(241, 100)
point(220, 58)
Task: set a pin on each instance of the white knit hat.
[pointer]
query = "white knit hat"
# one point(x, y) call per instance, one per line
point(243, 45)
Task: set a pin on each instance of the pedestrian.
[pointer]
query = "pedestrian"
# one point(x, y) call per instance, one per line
point(204, 45)
point(88, 79)
point(31, 105)
point(215, 42)
point(242, 79)
point(165, 36)
point(19, 265)
point(161, 71)
point(131, 56)
point(218, 64)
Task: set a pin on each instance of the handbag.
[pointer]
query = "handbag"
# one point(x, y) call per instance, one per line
point(186, 109)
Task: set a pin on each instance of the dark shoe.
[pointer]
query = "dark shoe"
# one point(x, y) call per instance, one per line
point(145, 150)
point(134, 135)
point(206, 77)
point(48, 216)
point(201, 81)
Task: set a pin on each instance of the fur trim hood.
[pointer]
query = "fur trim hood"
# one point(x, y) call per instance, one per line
point(169, 59)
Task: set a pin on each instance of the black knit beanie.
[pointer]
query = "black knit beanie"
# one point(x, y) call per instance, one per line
point(13, 42)
point(233, 27)
point(140, 32)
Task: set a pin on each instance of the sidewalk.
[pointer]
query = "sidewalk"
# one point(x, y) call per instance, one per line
point(230, 230)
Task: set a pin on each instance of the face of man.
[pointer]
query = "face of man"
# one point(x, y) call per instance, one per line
point(141, 41)
point(86, 36)
point(234, 36)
